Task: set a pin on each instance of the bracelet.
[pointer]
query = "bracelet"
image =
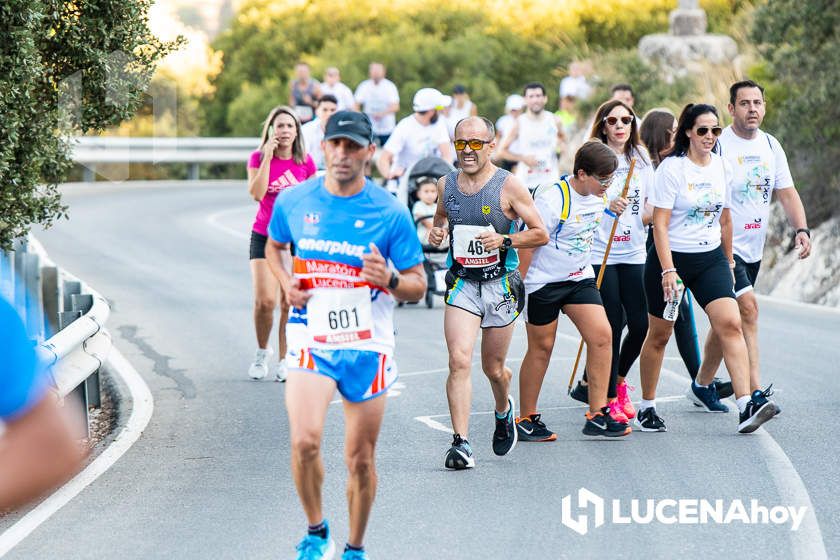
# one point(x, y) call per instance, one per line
point(732, 265)
point(667, 270)
point(804, 230)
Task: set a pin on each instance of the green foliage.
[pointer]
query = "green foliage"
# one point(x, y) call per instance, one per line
point(493, 47)
point(800, 41)
point(65, 67)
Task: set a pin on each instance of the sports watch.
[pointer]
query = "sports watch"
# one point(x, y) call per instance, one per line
point(394, 281)
point(508, 242)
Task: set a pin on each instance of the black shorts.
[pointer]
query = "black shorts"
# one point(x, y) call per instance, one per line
point(745, 275)
point(544, 305)
point(707, 275)
point(258, 242)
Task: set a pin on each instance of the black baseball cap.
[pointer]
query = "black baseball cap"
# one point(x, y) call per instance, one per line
point(352, 125)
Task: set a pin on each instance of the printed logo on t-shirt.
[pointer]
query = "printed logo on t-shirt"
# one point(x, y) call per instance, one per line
point(757, 183)
point(284, 181)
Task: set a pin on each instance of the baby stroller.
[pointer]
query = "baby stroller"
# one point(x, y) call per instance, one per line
point(425, 170)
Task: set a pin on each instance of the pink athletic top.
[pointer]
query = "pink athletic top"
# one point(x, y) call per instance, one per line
point(282, 174)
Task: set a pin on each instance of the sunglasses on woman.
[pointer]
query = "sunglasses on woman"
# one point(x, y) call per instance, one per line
point(626, 119)
point(704, 130)
point(474, 143)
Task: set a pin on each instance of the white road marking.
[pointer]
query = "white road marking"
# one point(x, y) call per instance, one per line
point(141, 413)
point(213, 220)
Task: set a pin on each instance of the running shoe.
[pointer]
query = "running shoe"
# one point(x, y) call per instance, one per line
point(648, 420)
point(313, 547)
point(354, 555)
point(505, 434)
point(259, 369)
point(617, 413)
point(279, 371)
point(580, 393)
point(624, 400)
point(531, 428)
point(601, 424)
point(460, 455)
point(705, 397)
point(723, 388)
point(758, 411)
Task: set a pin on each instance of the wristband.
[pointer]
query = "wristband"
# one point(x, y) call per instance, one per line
point(394, 281)
point(667, 270)
point(609, 213)
point(732, 265)
point(804, 230)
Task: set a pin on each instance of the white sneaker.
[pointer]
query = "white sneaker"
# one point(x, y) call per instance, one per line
point(279, 371)
point(259, 369)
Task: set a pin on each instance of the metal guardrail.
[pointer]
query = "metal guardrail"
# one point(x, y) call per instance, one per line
point(63, 316)
point(89, 151)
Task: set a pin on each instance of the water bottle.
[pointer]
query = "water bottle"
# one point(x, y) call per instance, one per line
point(672, 307)
point(392, 186)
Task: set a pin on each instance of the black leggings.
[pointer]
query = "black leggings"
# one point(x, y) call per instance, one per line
point(622, 290)
point(685, 329)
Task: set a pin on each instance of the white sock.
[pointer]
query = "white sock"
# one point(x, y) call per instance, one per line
point(698, 385)
point(742, 402)
point(647, 404)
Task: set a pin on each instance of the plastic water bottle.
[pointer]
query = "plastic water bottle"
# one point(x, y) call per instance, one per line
point(393, 186)
point(672, 307)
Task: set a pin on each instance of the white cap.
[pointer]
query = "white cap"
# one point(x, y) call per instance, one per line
point(514, 102)
point(427, 99)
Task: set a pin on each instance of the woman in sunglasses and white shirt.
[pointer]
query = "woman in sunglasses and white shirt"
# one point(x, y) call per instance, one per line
point(693, 245)
point(622, 284)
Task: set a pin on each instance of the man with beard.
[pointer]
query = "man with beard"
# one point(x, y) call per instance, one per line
point(537, 134)
point(479, 207)
point(417, 136)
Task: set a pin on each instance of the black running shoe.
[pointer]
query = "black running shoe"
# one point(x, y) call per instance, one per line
point(580, 393)
point(723, 388)
point(648, 420)
point(505, 435)
point(706, 398)
point(531, 428)
point(460, 455)
point(601, 424)
point(759, 410)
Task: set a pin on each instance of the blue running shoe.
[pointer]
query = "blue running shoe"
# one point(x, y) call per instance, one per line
point(459, 456)
point(758, 411)
point(313, 547)
point(354, 555)
point(706, 398)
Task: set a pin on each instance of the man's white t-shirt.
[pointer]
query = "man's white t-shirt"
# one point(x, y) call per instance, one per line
point(567, 255)
point(503, 126)
point(312, 137)
point(342, 93)
point(411, 141)
point(759, 166)
point(628, 245)
point(696, 197)
point(375, 98)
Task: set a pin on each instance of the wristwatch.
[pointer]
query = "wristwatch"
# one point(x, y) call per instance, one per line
point(394, 281)
point(508, 242)
point(804, 230)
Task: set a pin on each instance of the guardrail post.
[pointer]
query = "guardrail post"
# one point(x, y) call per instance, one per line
point(82, 303)
point(79, 394)
point(51, 296)
point(194, 172)
point(34, 299)
point(7, 275)
point(70, 288)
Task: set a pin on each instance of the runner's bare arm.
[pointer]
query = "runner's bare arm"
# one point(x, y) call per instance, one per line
point(439, 231)
point(525, 257)
point(661, 221)
point(289, 286)
point(37, 452)
point(258, 178)
point(383, 163)
point(411, 283)
point(726, 233)
point(795, 212)
point(446, 151)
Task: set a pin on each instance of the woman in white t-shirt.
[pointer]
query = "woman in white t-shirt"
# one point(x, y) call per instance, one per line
point(622, 286)
point(693, 245)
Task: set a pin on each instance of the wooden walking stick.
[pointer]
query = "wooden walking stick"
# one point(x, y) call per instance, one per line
point(603, 267)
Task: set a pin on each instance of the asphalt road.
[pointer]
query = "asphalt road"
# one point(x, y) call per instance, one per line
point(209, 478)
